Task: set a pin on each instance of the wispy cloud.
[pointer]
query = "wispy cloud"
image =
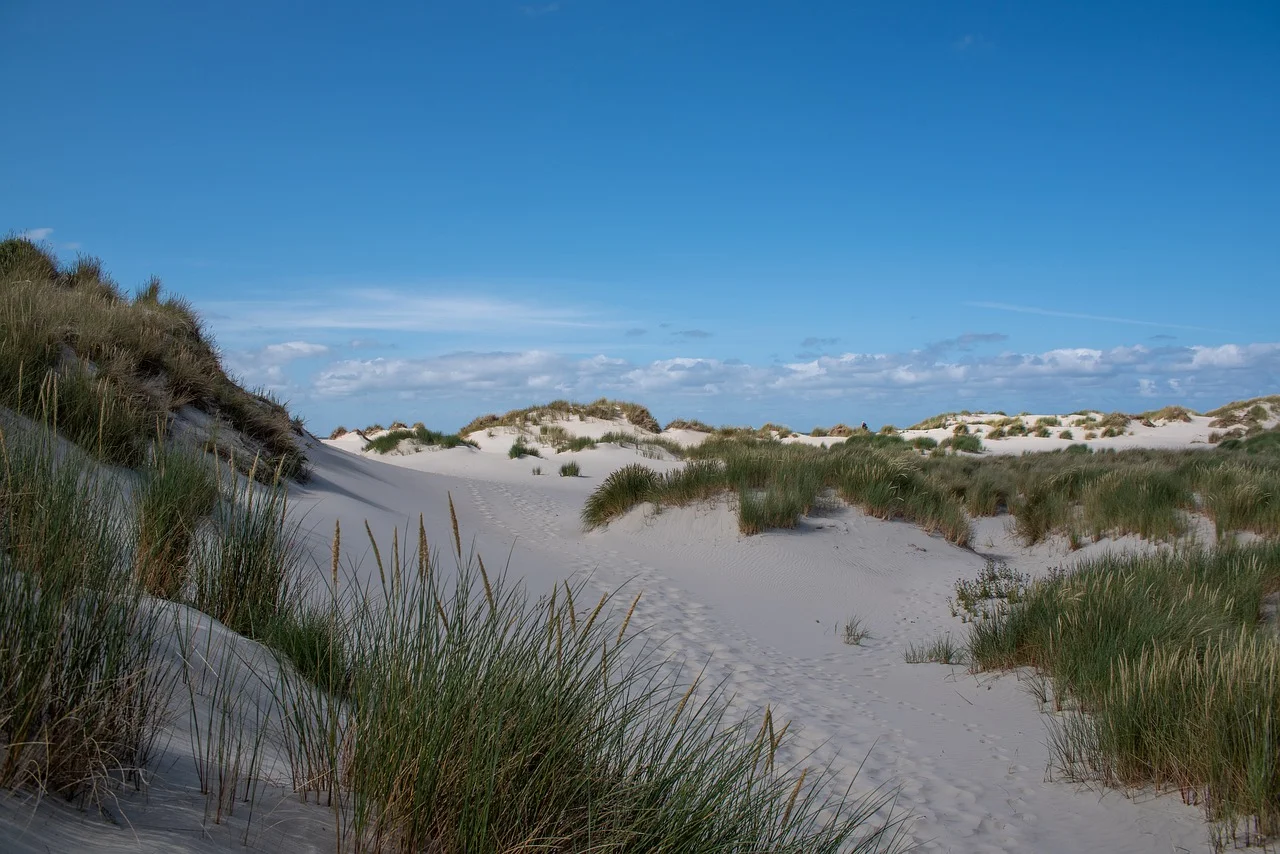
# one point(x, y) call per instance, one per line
point(44, 235)
point(813, 341)
point(970, 41)
point(536, 11)
point(636, 333)
point(395, 310)
point(692, 334)
point(1072, 315)
point(965, 342)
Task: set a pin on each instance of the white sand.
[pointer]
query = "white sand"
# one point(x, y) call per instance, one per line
point(967, 753)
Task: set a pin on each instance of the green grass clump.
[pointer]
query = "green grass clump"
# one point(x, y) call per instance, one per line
point(519, 449)
point(1165, 656)
point(570, 469)
point(963, 442)
point(623, 489)
point(689, 424)
point(81, 687)
point(650, 446)
point(391, 440)
point(1147, 502)
point(819, 432)
point(246, 576)
point(575, 443)
point(775, 506)
point(775, 483)
point(180, 490)
point(924, 443)
point(936, 421)
point(941, 650)
point(479, 719)
point(1169, 413)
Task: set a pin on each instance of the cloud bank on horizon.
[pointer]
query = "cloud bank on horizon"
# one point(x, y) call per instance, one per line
point(397, 373)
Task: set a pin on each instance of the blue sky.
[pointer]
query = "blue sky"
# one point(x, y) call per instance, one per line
point(801, 212)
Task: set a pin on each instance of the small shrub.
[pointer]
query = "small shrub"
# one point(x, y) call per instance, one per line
point(855, 631)
point(994, 588)
point(537, 470)
point(924, 443)
point(1066, 434)
point(570, 469)
point(819, 432)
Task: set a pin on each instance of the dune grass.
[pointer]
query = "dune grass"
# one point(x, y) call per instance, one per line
point(179, 491)
point(519, 449)
point(80, 687)
point(246, 575)
point(1082, 495)
point(109, 372)
point(603, 409)
point(1174, 680)
point(689, 424)
point(1073, 493)
point(774, 484)
point(941, 650)
point(479, 719)
point(570, 469)
point(392, 439)
point(436, 710)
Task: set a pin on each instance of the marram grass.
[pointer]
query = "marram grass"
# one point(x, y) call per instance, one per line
point(475, 718)
point(1167, 676)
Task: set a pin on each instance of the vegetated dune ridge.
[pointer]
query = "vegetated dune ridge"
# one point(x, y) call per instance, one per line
point(768, 614)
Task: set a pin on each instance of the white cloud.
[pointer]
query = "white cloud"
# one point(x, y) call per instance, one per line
point(1060, 372)
point(37, 234)
point(1234, 355)
point(265, 366)
point(290, 350)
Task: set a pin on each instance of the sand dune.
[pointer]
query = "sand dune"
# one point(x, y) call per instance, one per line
point(965, 753)
point(764, 613)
